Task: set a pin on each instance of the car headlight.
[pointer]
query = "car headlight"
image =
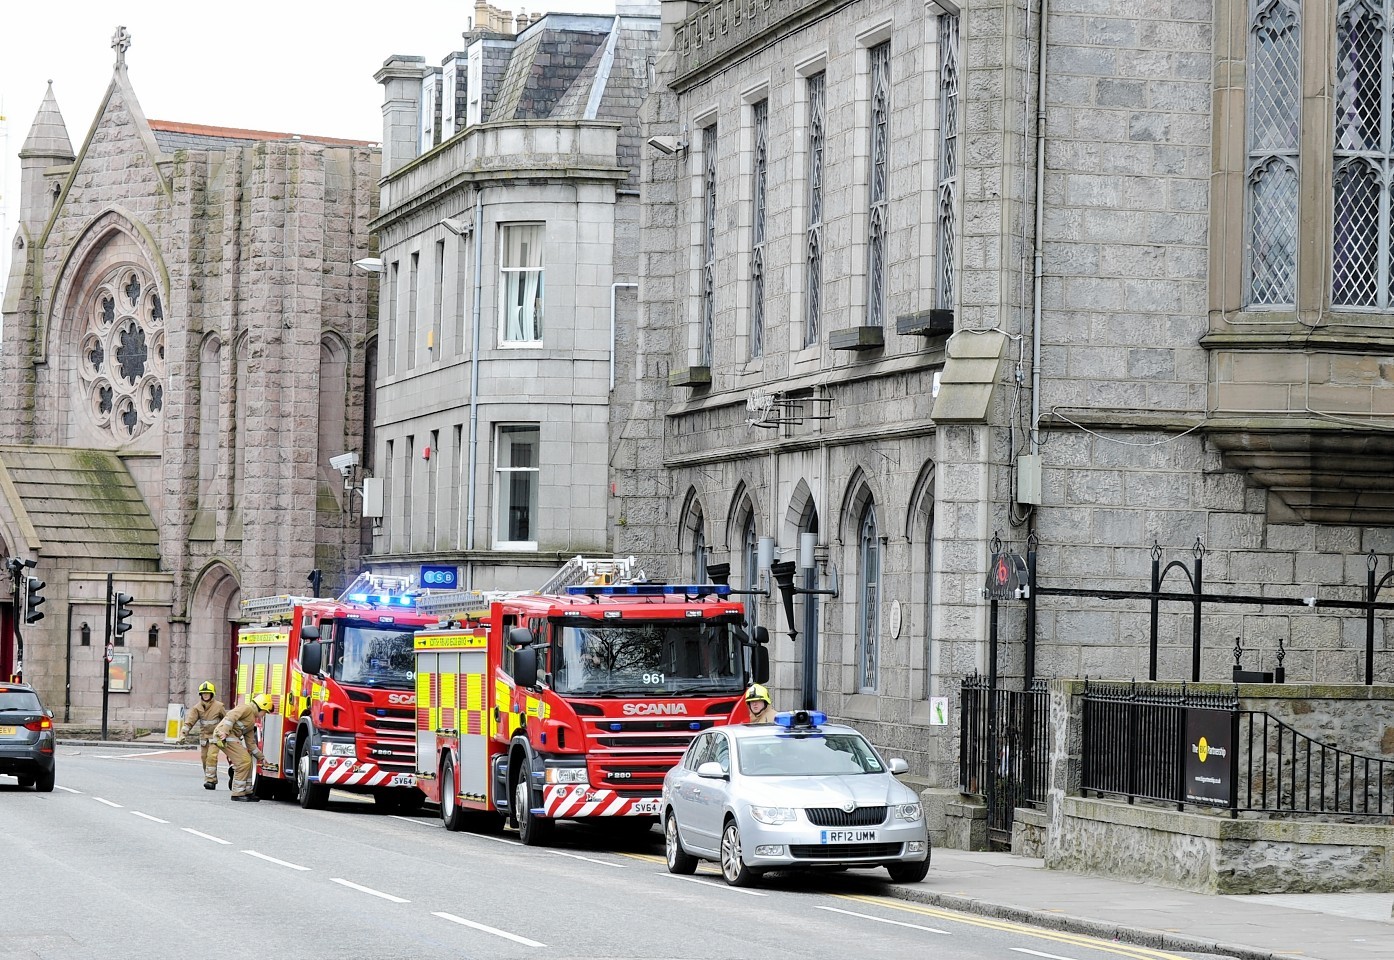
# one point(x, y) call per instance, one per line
point(774, 814)
point(908, 811)
point(330, 749)
point(566, 774)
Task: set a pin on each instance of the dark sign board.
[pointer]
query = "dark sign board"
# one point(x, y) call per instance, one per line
point(1006, 577)
point(1209, 753)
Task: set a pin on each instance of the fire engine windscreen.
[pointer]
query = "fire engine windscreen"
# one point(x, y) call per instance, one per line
point(680, 658)
point(370, 655)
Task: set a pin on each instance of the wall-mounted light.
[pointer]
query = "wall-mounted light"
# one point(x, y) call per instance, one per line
point(86, 633)
point(667, 145)
point(370, 265)
point(458, 227)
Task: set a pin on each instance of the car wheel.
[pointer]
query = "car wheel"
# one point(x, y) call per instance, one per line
point(679, 860)
point(533, 830)
point(450, 813)
point(733, 867)
point(311, 796)
point(44, 781)
point(908, 872)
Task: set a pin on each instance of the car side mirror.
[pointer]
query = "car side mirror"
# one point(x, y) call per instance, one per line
point(525, 666)
point(711, 770)
point(49, 714)
point(311, 657)
point(899, 766)
point(309, 632)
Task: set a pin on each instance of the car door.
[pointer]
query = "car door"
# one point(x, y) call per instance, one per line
point(685, 786)
point(709, 795)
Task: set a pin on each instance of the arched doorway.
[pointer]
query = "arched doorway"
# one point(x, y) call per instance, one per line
point(213, 612)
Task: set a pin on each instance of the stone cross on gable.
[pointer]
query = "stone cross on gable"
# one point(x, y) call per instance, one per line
point(121, 42)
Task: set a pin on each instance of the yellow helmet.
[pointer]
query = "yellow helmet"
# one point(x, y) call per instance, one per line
point(757, 692)
point(207, 687)
point(263, 702)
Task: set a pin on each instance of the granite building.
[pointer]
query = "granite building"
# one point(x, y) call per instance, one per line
point(508, 239)
point(184, 344)
point(917, 276)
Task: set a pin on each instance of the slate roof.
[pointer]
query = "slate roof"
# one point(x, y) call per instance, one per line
point(81, 503)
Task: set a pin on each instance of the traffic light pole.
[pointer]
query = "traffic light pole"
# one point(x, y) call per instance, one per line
point(106, 655)
point(16, 577)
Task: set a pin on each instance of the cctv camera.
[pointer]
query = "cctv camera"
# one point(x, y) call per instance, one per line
point(344, 462)
point(666, 145)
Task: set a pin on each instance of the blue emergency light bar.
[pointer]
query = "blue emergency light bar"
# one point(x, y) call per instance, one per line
point(800, 719)
point(650, 590)
point(383, 599)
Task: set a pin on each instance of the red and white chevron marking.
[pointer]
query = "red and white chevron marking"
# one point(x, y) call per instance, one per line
point(343, 772)
point(563, 802)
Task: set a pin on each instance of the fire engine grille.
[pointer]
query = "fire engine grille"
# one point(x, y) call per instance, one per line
point(630, 755)
point(631, 742)
point(843, 851)
point(391, 741)
point(833, 817)
point(629, 780)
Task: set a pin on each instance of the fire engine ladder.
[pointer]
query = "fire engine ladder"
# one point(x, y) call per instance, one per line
point(447, 604)
point(272, 608)
point(592, 571)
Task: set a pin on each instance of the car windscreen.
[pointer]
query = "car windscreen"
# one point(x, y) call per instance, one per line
point(19, 701)
point(633, 658)
point(374, 655)
point(807, 755)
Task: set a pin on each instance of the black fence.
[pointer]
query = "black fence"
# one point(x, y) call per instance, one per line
point(1004, 749)
point(1189, 748)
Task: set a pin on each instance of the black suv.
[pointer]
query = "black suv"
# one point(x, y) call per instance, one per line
point(26, 737)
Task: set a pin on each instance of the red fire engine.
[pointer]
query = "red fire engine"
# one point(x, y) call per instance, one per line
point(339, 673)
point(573, 706)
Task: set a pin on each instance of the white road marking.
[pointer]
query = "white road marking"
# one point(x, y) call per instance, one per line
point(577, 856)
point(1037, 953)
point(262, 856)
point(369, 890)
point(69, 790)
point(898, 923)
point(487, 929)
point(147, 753)
point(207, 837)
point(146, 816)
point(485, 836)
point(424, 823)
point(107, 802)
point(717, 886)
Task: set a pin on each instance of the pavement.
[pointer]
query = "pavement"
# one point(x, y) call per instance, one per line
point(1337, 926)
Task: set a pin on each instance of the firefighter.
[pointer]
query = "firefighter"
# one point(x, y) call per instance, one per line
point(236, 735)
point(206, 714)
point(757, 701)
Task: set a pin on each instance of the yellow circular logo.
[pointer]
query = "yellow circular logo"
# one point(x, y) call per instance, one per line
point(1203, 749)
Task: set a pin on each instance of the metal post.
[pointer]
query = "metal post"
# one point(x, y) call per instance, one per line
point(1030, 609)
point(1155, 603)
point(991, 792)
point(68, 667)
point(1195, 607)
point(106, 656)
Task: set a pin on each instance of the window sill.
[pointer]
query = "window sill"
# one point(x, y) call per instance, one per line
point(516, 546)
point(857, 339)
point(696, 378)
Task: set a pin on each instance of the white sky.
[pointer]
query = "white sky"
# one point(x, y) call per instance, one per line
point(298, 66)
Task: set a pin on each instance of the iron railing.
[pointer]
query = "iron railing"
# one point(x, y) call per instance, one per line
point(1004, 749)
point(1135, 745)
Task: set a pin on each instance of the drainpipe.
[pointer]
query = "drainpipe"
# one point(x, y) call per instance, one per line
point(1037, 263)
point(474, 382)
point(613, 288)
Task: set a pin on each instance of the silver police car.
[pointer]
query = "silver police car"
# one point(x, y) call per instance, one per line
point(798, 793)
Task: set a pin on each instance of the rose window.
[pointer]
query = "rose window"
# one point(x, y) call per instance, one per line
point(122, 355)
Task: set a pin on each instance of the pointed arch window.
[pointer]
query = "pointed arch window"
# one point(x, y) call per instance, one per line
point(750, 549)
point(760, 117)
point(813, 234)
point(878, 194)
point(868, 600)
point(1273, 139)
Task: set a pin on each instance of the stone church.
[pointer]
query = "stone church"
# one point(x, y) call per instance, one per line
point(185, 340)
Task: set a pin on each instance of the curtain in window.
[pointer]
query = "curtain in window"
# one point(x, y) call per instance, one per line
point(522, 273)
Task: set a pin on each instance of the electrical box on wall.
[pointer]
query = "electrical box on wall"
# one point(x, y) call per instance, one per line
point(1028, 479)
point(372, 497)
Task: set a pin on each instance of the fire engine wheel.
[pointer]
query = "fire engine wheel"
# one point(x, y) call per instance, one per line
point(733, 867)
point(450, 813)
point(311, 796)
point(533, 830)
point(679, 860)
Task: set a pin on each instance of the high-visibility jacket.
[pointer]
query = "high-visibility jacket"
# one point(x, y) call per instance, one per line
point(206, 716)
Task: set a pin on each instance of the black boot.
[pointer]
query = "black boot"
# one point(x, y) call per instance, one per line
point(210, 785)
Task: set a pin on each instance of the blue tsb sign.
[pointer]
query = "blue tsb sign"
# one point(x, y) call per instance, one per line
point(439, 577)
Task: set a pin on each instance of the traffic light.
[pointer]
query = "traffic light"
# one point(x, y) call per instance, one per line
point(123, 617)
point(34, 599)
